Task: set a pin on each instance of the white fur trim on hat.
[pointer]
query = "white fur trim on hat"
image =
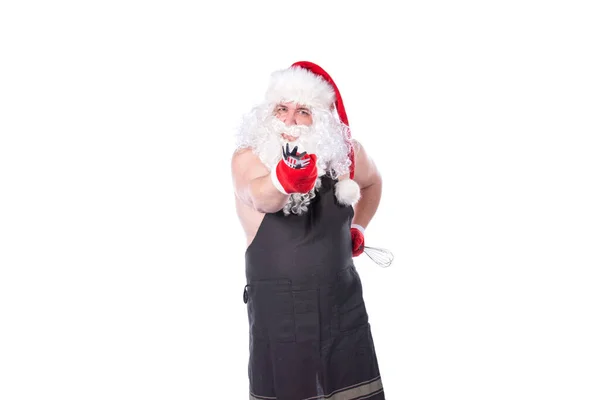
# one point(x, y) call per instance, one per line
point(296, 84)
point(347, 192)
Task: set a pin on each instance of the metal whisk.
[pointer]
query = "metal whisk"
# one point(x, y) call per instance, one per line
point(381, 257)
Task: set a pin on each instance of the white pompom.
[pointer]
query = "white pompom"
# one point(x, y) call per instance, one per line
point(347, 192)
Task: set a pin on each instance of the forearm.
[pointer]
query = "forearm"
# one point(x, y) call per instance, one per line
point(264, 196)
point(366, 207)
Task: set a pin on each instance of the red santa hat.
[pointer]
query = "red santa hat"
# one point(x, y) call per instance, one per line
point(307, 83)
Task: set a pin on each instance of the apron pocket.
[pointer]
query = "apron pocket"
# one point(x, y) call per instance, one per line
point(271, 310)
point(351, 308)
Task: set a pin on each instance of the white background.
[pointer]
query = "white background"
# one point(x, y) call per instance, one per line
point(121, 254)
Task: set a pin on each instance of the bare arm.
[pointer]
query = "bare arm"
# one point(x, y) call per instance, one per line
point(253, 185)
point(369, 180)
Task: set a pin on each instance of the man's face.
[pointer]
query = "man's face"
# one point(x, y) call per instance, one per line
point(268, 128)
point(292, 114)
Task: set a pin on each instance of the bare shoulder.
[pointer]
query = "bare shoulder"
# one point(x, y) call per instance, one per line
point(365, 169)
point(245, 166)
point(243, 159)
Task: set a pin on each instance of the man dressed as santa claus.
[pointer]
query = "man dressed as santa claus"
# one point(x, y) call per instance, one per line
point(305, 192)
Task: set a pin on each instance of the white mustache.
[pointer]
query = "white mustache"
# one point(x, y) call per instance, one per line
point(292, 130)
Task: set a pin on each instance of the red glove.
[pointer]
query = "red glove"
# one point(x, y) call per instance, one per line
point(358, 240)
point(295, 173)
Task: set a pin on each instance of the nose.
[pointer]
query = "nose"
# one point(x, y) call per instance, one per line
point(290, 118)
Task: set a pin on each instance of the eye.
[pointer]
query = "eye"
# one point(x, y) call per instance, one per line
point(304, 112)
point(281, 109)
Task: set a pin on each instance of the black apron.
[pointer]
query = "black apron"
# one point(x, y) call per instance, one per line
point(310, 336)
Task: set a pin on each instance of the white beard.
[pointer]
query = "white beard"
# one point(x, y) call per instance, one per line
point(306, 140)
point(327, 138)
